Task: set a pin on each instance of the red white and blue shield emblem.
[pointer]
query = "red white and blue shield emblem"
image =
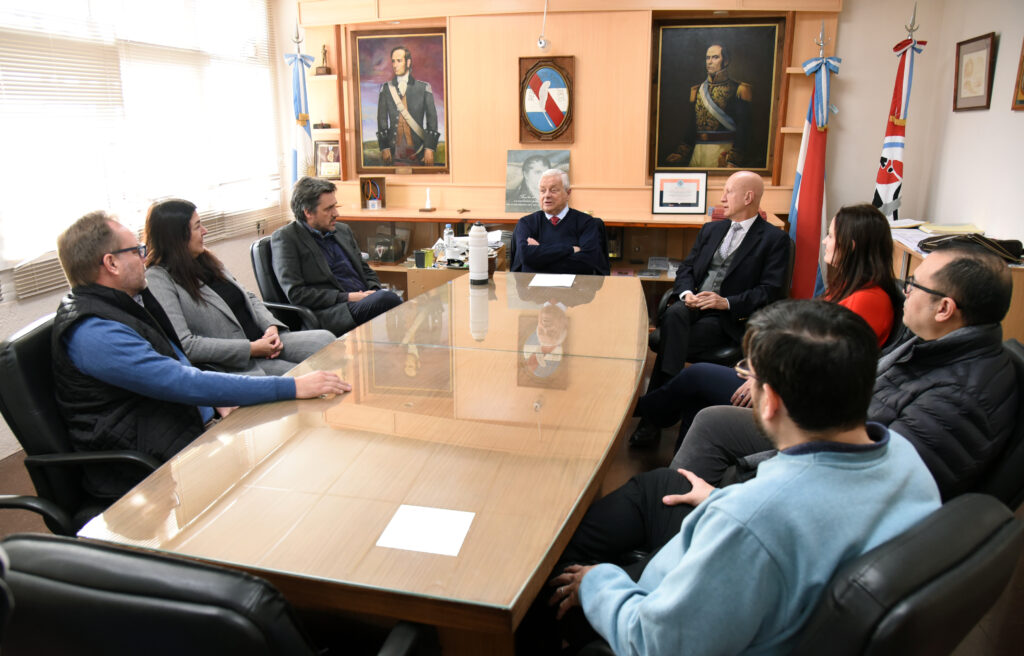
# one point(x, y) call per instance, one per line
point(546, 101)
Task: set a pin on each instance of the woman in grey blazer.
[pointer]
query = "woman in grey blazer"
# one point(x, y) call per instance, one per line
point(221, 325)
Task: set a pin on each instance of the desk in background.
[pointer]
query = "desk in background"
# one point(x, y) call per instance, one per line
point(906, 258)
point(447, 411)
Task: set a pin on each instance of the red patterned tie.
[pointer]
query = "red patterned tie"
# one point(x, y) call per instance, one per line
point(554, 220)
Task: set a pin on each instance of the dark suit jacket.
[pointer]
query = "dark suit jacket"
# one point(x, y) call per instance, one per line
point(755, 278)
point(301, 268)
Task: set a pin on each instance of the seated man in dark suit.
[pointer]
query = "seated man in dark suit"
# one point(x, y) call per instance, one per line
point(558, 239)
point(319, 265)
point(735, 268)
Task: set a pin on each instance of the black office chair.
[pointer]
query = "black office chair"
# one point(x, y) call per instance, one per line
point(918, 594)
point(1006, 479)
point(726, 355)
point(6, 598)
point(923, 591)
point(295, 316)
point(28, 405)
point(602, 232)
point(77, 597)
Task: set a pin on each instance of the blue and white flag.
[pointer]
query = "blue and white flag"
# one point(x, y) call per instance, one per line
point(302, 139)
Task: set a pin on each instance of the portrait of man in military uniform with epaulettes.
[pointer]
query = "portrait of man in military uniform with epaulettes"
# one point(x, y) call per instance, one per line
point(718, 118)
point(406, 115)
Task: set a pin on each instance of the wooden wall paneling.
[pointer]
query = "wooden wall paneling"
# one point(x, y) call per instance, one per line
point(611, 86)
point(784, 82)
point(329, 12)
point(340, 64)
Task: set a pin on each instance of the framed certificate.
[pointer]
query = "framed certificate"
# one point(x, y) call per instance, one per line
point(680, 192)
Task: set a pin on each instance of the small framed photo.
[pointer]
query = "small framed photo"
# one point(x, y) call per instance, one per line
point(328, 159)
point(1018, 89)
point(975, 64)
point(680, 192)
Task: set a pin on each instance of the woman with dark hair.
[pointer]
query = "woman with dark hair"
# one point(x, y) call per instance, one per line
point(220, 325)
point(858, 253)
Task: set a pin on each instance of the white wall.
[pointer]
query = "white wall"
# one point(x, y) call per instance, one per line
point(958, 166)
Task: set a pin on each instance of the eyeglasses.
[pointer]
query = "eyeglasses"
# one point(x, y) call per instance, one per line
point(744, 370)
point(910, 282)
point(140, 249)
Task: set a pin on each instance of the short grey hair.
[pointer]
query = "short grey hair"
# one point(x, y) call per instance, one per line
point(306, 195)
point(82, 246)
point(558, 172)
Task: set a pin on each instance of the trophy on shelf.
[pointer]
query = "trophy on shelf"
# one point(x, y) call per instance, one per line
point(323, 68)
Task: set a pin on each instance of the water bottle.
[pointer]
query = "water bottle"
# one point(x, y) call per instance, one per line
point(450, 252)
point(478, 254)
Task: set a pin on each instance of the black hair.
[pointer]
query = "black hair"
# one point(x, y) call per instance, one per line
point(978, 281)
point(819, 357)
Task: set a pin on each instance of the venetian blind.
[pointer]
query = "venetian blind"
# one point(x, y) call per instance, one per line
point(114, 105)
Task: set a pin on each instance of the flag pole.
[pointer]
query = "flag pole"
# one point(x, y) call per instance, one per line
point(889, 178)
point(807, 208)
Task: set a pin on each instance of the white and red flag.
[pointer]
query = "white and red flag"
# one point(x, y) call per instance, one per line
point(889, 181)
point(807, 209)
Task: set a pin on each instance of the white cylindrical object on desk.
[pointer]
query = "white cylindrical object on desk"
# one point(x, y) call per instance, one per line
point(479, 298)
point(477, 254)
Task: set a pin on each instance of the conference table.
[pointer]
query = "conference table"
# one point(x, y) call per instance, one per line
point(444, 486)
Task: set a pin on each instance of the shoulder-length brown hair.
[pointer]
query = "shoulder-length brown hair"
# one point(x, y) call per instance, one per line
point(168, 230)
point(862, 254)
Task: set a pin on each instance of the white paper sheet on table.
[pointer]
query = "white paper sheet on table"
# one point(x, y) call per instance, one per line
point(553, 280)
point(430, 530)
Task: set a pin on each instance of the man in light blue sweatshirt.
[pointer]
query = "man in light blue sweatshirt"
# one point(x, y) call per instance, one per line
point(749, 563)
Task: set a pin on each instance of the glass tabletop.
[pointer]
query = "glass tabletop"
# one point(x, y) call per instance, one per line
point(511, 432)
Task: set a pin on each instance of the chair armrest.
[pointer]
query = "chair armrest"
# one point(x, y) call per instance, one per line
point(666, 299)
point(48, 509)
point(307, 319)
point(147, 462)
point(401, 640)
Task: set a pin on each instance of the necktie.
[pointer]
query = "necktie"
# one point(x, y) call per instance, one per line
point(730, 243)
point(554, 220)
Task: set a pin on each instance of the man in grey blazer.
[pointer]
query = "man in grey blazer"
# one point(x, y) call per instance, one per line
point(318, 263)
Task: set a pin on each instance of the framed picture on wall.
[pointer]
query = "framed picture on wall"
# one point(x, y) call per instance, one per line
point(546, 99)
point(975, 64)
point(716, 94)
point(401, 109)
point(328, 159)
point(680, 192)
point(1018, 89)
point(522, 176)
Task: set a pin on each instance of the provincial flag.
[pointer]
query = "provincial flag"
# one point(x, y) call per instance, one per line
point(546, 101)
point(889, 179)
point(807, 209)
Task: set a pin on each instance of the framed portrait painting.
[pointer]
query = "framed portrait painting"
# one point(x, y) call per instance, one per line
point(1018, 88)
point(975, 64)
point(328, 159)
point(401, 108)
point(716, 94)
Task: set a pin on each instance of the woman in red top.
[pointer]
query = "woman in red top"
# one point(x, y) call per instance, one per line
point(858, 252)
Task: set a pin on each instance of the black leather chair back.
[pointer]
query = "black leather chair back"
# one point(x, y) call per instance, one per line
point(75, 597)
point(923, 591)
point(1006, 480)
point(6, 598)
point(263, 267)
point(29, 407)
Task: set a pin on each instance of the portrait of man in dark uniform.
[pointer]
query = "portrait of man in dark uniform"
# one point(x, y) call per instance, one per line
point(406, 115)
point(716, 86)
point(401, 101)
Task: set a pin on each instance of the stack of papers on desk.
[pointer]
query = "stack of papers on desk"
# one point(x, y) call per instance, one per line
point(951, 229)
